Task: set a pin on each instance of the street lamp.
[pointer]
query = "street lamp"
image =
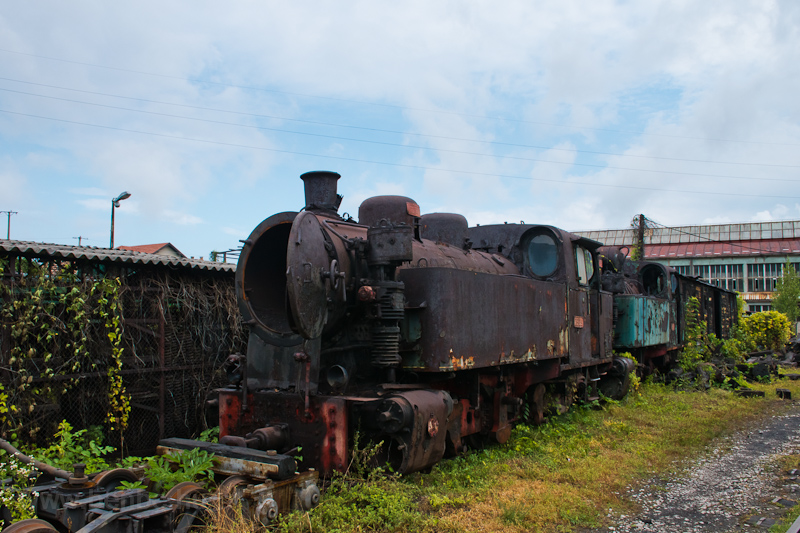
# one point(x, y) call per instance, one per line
point(115, 203)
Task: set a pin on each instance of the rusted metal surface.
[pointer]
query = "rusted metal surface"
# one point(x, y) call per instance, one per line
point(320, 189)
point(643, 321)
point(235, 460)
point(306, 260)
point(395, 209)
point(421, 332)
point(580, 327)
point(464, 328)
point(261, 281)
point(448, 228)
point(414, 425)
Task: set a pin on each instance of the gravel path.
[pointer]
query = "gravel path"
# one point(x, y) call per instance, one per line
point(730, 489)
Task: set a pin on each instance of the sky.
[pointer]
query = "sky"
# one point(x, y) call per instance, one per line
point(578, 114)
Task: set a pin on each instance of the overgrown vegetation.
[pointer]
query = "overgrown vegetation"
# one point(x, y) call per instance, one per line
point(554, 477)
point(365, 494)
point(768, 330)
point(86, 446)
point(49, 312)
point(787, 294)
point(764, 331)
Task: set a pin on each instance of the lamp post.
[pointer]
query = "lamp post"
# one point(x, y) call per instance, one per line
point(115, 203)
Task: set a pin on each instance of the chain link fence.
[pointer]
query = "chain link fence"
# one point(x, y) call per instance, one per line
point(177, 327)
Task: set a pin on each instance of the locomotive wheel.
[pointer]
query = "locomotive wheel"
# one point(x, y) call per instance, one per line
point(111, 479)
point(230, 493)
point(187, 516)
point(184, 490)
point(536, 405)
point(227, 489)
point(613, 387)
point(562, 397)
point(31, 525)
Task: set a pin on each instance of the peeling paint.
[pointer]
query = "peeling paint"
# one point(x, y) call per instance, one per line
point(459, 363)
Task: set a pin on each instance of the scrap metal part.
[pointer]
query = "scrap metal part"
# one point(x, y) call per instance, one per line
point(265, 484)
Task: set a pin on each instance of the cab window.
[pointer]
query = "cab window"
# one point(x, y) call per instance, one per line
point(542, 255)
point(585, 265)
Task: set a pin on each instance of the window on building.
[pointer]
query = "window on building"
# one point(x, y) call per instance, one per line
point(717, 275)
point(735, 278)
point(772, 271)
point(763, 277)
point(702, 272)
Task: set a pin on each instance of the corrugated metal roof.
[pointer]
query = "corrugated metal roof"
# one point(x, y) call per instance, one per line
point(754, 231)
point(90, 253)
point(722, 249)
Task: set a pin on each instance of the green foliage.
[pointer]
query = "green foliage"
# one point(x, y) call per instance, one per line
point(119, 407)
point(768, 330)
point(741, 305)
point(124, 485)
point(364, 498)
point(636, 252)
point(699, 345)
point(166, 471)
point(14, 497)
point(636, 383)
point(70, 447)
point(787, 293)
point(52, 315)
point(210, 435)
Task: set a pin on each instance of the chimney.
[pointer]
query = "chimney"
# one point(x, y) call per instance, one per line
point(320, 188)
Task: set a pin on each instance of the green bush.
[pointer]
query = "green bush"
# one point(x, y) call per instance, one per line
point(768, 330)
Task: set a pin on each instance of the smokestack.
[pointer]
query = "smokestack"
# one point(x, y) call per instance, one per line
point(320, 188)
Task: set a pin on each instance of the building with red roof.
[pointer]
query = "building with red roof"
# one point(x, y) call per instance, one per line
point(163, 248)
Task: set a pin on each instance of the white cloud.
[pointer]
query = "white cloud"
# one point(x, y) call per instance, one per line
point(779, 212)
point(184, 219)
point(657, 83)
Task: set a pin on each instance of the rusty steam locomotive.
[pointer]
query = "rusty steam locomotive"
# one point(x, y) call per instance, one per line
point(416, 331)
point(425, 334)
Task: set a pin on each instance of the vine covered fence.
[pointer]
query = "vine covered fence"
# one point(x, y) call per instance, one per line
point(136, 349)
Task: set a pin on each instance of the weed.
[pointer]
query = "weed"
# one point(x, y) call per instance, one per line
point(210, 435)
point(13, 496)
point(70, 447)
point(166, 471)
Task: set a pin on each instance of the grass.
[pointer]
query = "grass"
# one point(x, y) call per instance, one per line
point(567, 473)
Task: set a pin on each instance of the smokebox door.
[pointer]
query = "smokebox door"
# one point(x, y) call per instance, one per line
point(306, 260)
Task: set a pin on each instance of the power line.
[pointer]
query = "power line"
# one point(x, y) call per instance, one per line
point(401, 165)
point(391, 106)
point(707, 239)
point(384, 143)
point(396, 132)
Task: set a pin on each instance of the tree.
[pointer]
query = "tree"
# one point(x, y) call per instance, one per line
point(787, 293)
